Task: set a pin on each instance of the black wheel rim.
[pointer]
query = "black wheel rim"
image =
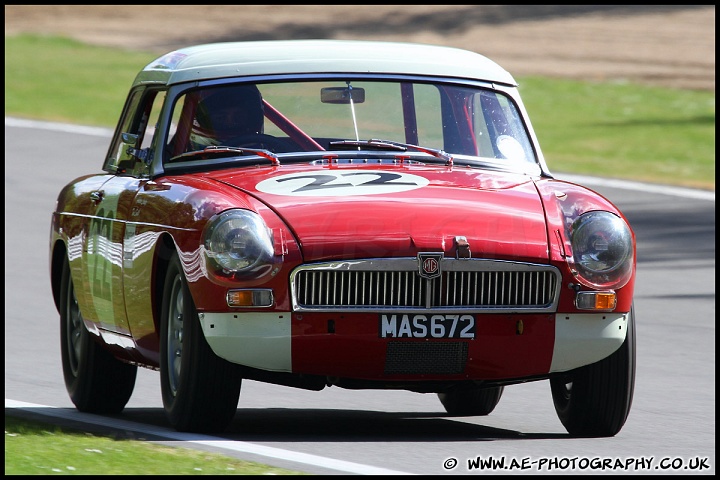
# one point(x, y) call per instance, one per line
point(74, 331)
point(175, 335)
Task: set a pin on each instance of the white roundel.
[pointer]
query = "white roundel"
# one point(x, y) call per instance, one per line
point(341, 183)
point(510, 147)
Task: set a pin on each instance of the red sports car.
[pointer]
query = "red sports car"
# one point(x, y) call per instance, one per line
point(338, 213)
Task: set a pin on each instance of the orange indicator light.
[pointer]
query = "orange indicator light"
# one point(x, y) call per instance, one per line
point(605, 301)
point(595, 300)
point(250, 298)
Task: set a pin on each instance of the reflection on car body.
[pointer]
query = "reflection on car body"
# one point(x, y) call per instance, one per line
point(339, 213)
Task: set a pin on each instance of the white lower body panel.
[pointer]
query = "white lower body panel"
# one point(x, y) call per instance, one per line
point(264, 340)
point(585, 338)
point(259, 340)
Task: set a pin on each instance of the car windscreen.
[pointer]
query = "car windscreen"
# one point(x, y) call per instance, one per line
point(309, 116)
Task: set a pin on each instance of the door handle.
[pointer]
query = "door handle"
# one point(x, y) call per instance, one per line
point(96, 196)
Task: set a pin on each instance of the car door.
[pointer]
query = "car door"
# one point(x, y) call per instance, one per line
point(104, 251)
point(112, 224)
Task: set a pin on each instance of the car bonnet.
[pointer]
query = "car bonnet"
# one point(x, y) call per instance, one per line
point(366, 211)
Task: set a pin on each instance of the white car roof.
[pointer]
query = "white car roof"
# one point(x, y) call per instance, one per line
point(233, 59)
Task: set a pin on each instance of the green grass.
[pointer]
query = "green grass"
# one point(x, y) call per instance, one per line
point(63, 80)
point(651, 134)
point(614, 130)
point(37, 448)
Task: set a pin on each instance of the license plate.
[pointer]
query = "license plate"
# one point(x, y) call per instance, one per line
point(403, 325)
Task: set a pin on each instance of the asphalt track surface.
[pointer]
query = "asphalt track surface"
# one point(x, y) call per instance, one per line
point(670, 430)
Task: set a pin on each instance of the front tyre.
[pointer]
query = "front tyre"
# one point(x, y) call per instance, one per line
point(595, 400)
point(200, 390)
point(471, 401)
point(96, 381)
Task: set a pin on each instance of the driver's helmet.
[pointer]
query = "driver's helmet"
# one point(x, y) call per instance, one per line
point(227, 113)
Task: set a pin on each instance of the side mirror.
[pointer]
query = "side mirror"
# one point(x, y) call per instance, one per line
point(127, 152)
point(129, 142)
point(342, 95)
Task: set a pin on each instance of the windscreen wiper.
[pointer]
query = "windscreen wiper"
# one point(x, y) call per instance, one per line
point(392, 145)
point(221, 151)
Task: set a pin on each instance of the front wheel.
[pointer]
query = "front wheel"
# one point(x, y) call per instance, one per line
point(96, 381)
point(200, 390)
point(595, 400)
point(471, 401)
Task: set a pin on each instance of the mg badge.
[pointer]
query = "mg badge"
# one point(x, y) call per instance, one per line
point(429, 264)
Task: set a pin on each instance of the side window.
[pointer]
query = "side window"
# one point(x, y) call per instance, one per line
point(116, 147)
point(139, 122)
point(152, 120)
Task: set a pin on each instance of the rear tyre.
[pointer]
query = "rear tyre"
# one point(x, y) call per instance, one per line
point(471, 401)
point(595, 400)
point(200, 390)
point(96, 381)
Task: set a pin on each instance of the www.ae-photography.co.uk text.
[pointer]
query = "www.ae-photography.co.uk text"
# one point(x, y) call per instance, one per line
point(549, 464)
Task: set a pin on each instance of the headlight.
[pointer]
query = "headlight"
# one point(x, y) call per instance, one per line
point(602, 246)
point(238, 242)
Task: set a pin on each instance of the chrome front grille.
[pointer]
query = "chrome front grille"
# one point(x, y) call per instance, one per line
point(468, 285)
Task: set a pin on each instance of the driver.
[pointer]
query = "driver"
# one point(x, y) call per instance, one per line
point(225, 115)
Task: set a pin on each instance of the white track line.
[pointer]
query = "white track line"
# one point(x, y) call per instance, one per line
point(216, 442)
